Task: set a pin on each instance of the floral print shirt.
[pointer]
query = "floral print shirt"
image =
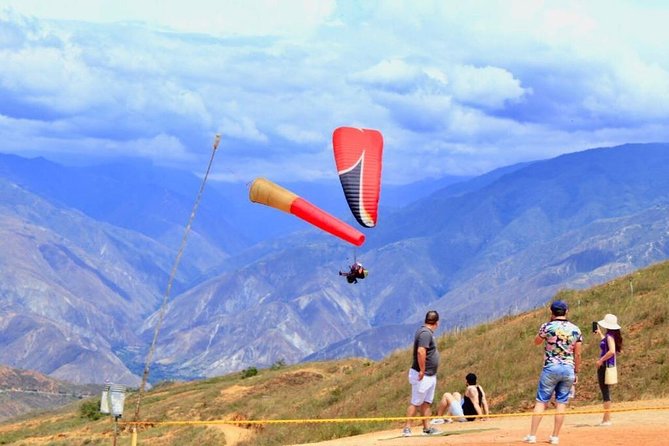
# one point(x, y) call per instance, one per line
point(560, 337)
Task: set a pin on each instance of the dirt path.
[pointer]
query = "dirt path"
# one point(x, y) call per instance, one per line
point(631, 428)
point(234, 434)
point(646, 428)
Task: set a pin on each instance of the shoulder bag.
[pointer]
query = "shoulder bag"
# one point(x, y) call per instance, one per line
point(611, 375)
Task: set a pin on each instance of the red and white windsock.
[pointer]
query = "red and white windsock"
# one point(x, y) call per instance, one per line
point(265, 192)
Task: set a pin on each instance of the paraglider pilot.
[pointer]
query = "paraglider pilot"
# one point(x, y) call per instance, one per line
point(357, 272)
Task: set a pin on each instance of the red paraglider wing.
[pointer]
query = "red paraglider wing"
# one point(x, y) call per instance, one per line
point(265, 192)
point(358, 156)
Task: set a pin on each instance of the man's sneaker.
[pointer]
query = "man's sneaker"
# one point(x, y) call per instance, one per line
point(431, 431)
point(530, 439)
point(438, 421)
point(406, 432)
point(605, 423)
point(553, 440)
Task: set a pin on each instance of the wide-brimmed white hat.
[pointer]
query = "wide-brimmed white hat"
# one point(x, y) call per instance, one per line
point(610, 322)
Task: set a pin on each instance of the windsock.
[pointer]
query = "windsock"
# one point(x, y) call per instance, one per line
point(265, 192)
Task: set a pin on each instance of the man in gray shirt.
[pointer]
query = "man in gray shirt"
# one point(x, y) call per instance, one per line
point(423, 373)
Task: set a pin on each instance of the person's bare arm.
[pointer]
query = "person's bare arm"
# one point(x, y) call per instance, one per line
point(538, 340)
point(577, 360)
point(484, 401)
point(421, 354)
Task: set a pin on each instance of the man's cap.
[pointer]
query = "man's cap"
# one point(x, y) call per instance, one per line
point(559, 305)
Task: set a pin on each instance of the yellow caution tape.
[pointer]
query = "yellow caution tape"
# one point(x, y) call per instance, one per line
point(380, 419)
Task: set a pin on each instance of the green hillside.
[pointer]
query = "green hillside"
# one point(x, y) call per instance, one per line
point(501, 353)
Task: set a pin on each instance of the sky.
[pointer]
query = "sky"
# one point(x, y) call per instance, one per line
point(455, 87)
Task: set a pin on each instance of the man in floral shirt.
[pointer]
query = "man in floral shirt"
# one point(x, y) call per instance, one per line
point(562, 360)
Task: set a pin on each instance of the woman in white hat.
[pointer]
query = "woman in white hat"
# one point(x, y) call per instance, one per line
point(610, 345)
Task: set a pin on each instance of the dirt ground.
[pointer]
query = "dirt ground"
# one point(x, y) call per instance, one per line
point(633, 427)
point(644, 423)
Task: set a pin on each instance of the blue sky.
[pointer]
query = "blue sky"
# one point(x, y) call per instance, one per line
point(456, 87)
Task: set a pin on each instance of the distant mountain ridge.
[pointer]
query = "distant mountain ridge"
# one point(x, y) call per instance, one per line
point(491, 248)
point(72, 288)
point(156, 201)
point(87, 252)
point(84, 265)
point(23, 391)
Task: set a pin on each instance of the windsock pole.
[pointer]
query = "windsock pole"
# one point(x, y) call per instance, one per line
point(177, 260)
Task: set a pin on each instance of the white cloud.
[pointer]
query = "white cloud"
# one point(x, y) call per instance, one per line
point(633, 90)
point(214, 17)
point(52, 78)
point(418, 112)
point(299, 135)
point(242, 128)
point(489, 87)
point(394, 75)
point(455, 87)
point(159, 147)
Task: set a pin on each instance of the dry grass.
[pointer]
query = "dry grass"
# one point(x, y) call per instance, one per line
point(500, 353)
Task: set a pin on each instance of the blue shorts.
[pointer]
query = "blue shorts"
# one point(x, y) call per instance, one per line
point(556, 379)
point(455, 410)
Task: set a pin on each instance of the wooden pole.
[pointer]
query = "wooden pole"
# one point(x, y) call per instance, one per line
point(115, 430)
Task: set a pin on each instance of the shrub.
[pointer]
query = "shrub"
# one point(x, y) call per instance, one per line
point(251, 371)
point(90, 410)
point(281, 363)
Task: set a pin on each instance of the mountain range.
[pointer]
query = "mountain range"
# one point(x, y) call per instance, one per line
point(23, 391)
point(87, 253)
point(346, 394)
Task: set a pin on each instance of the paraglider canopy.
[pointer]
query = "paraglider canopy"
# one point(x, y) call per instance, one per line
point(358, 157)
